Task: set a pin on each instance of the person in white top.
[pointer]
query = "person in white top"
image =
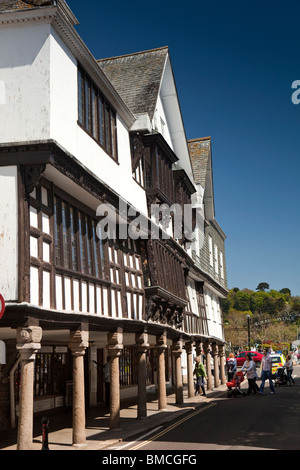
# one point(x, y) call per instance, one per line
point(250, 368)
point(266, 372)
point(289, 369)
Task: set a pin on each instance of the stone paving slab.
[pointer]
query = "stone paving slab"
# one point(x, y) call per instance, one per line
point(98, 434)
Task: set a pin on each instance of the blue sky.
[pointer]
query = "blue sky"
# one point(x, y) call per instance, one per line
point(234, 64)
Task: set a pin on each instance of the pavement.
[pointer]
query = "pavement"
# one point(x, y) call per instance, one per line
point(98, 434)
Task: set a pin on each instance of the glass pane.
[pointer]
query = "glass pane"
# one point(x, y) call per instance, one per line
point(96, 251)
point(89, 247)
point(66, 236)
point(73, 239)
point(113, 135)
point(107, 129)
point(57, 253)
point(80, 97)
point(101, 121)
point(88, 105)
point(82, 242)
point(95, 113)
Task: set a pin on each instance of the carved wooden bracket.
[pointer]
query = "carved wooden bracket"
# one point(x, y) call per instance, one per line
point(32, 176)
point(137, 150)
point(158, 310)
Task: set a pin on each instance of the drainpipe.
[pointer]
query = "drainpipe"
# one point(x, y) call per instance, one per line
point(12, 394)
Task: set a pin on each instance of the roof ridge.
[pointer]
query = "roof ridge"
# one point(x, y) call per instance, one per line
point(134, 53)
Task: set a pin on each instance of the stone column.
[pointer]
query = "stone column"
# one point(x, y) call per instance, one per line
point(199, 348)
point(28, 343)
point(78, 344)
point(141, 340)
point(177, 351)
point(114, 348)
point(190, 368)
point(216, 364)
point(222, 363)
point(161, 345)
point(207, 350)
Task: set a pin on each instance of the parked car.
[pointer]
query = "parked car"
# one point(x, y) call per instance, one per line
point(241, 357)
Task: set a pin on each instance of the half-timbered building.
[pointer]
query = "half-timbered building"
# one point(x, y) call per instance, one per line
point(109, 246)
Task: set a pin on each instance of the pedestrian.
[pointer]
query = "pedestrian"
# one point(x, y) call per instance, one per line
point(289, 368)
point(200, 373)
point(266, 372)
point(231, 366)
point(106, 378)
point(250, 368)
point(255, 378)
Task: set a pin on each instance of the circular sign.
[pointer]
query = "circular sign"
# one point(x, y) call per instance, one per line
point(2, 306)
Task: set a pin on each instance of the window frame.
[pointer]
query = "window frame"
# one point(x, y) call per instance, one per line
point(95, 115)
point(95, 256)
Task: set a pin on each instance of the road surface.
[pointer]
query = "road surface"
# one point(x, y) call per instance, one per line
point(257, 422)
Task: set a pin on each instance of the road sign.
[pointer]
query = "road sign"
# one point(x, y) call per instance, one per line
point(2, 306)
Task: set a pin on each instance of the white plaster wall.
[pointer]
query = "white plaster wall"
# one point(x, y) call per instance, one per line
point(9, 233)
point(213, 311)
point(24, 77)
point(157, 123)
point(65, 130)
point(171, 106)
point(38, 101)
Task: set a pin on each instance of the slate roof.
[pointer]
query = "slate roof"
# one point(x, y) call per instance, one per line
point(12, 5)
point(199, 150)
point(137, 77)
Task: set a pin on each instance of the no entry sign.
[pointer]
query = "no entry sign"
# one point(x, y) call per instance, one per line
point(2, 306)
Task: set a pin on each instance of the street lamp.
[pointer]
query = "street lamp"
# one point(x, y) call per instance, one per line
point(248, 325)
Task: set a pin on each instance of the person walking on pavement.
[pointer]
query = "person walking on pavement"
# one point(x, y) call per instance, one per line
point(289, 368)
point(200, 373)
point(266, 372)
point(231, 366)
point(250, 368)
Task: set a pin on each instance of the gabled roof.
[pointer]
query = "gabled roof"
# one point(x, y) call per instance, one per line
point(201, 160)
point(137, 78)
point(199, 150)
point(12, 5)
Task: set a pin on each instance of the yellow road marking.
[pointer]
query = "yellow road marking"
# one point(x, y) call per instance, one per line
point(173, 426)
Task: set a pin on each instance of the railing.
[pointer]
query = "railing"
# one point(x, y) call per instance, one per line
point(193, 324)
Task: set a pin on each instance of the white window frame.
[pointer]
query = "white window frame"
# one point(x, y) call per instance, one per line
point(210, 249)
point(216, 259)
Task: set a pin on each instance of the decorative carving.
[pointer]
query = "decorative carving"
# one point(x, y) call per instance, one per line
point(28, 335)
point(79, 340)
point(115, 342)
point(162, 312)
point(28, 341)
point(152, 262)
point(32, 176)
point(137, 150)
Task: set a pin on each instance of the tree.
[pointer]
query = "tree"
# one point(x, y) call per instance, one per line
point(285, 290)
point(236, 329)
point(262, 286)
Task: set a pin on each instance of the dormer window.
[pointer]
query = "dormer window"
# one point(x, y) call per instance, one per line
point(95, 115)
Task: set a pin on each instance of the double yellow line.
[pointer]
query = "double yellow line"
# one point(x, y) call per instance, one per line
point(173, 426)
